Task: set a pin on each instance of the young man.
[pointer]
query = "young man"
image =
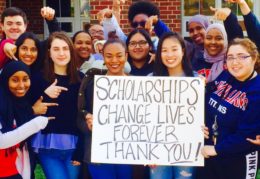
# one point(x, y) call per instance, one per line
point(13, 23)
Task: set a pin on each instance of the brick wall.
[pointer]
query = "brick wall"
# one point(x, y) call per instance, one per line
point(2, 6)
point(170, 12)
point(32, 9)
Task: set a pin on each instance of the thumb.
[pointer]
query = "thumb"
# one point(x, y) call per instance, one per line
point(54, 83)
point(212, 9)
point(40, 99)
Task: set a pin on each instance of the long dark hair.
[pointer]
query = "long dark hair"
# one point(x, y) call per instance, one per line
point(147, 38)
point(48, 72)
point(159, 68)
point(29, 35)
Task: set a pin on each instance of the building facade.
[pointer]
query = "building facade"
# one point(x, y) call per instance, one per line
point(73, 14)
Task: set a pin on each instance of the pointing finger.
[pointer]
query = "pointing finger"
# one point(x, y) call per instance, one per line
point(51, 118)
point(212, 9)
point(51, 104)
point(62, 88)
point(54, 83)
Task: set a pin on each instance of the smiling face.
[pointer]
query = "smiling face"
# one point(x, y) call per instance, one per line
point(83, 45)
point(139, 21)
point(19, 83)
point(214, 42)
point(97, 32)
point(242, 65)
point(13, 27)
point(60, 53)
point(197, 33)
point(172, 55)
point(28, 52)
point(138, 47)
point(115, 57)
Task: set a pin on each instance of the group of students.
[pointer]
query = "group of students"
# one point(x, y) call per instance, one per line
point(47, 90)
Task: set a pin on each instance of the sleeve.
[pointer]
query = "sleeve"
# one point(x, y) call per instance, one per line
point(21, 133)
point(78, 154)
point(232, 27)
point(3, 57)
point(236, 144)
point(160, 28)
point(253, 28)
point(82, 106)
point(53, 25)
point(111, 24)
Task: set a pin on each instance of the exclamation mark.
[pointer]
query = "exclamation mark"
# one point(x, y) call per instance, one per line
point(197, 153)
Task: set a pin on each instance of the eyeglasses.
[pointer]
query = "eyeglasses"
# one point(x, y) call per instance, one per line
point(240, 58)
point(136, 24)
point(141, 43)
point(98, 32)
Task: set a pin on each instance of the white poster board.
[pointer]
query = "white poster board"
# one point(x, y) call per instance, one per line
point(148, 120)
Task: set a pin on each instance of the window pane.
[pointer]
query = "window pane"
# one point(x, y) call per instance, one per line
point(66, 26)
point(84, 8)
point(193, 7)
point(234, 7)
point(63, 8)
point(204, 7)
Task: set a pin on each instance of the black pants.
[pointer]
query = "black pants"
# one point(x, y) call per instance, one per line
point(230, 168)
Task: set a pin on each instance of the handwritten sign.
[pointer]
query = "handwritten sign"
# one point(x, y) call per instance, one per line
point(148, 120)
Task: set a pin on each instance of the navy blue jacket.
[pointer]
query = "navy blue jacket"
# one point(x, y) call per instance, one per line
point(253, 28)
point(236, 114)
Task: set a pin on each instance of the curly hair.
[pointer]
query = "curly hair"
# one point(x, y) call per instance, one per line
point(251, 49)
point(142, 7)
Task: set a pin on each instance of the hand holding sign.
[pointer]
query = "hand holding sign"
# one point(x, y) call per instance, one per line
point(89, 121)
point(208, 151)
point(40, 107)
point(54, 91)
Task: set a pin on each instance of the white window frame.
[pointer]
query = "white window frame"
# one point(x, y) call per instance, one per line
point(76, 21)
point(218, 3)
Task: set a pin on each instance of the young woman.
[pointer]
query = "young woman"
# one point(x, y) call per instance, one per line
point(215, 45)
point(115, 57)
point(83, 45)
point(139, 46)
point(233, 115)
point(28, 51)
point(197, 31)
point(56, 145)
point(171, 61)
point(16, 121)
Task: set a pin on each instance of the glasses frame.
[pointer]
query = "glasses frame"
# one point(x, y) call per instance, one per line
point(141, 43)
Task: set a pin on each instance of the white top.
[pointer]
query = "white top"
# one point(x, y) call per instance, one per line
point(21, 133)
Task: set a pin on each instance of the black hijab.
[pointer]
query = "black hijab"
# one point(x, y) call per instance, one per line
point(14, 111)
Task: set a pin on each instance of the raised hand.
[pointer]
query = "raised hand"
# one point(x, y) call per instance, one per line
point(47, 13)
point(235, 1)
point(151, 21)
point(40, 108)
point(10, 50)
point(221, 13)
point(104, 13)
point(54, 91)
